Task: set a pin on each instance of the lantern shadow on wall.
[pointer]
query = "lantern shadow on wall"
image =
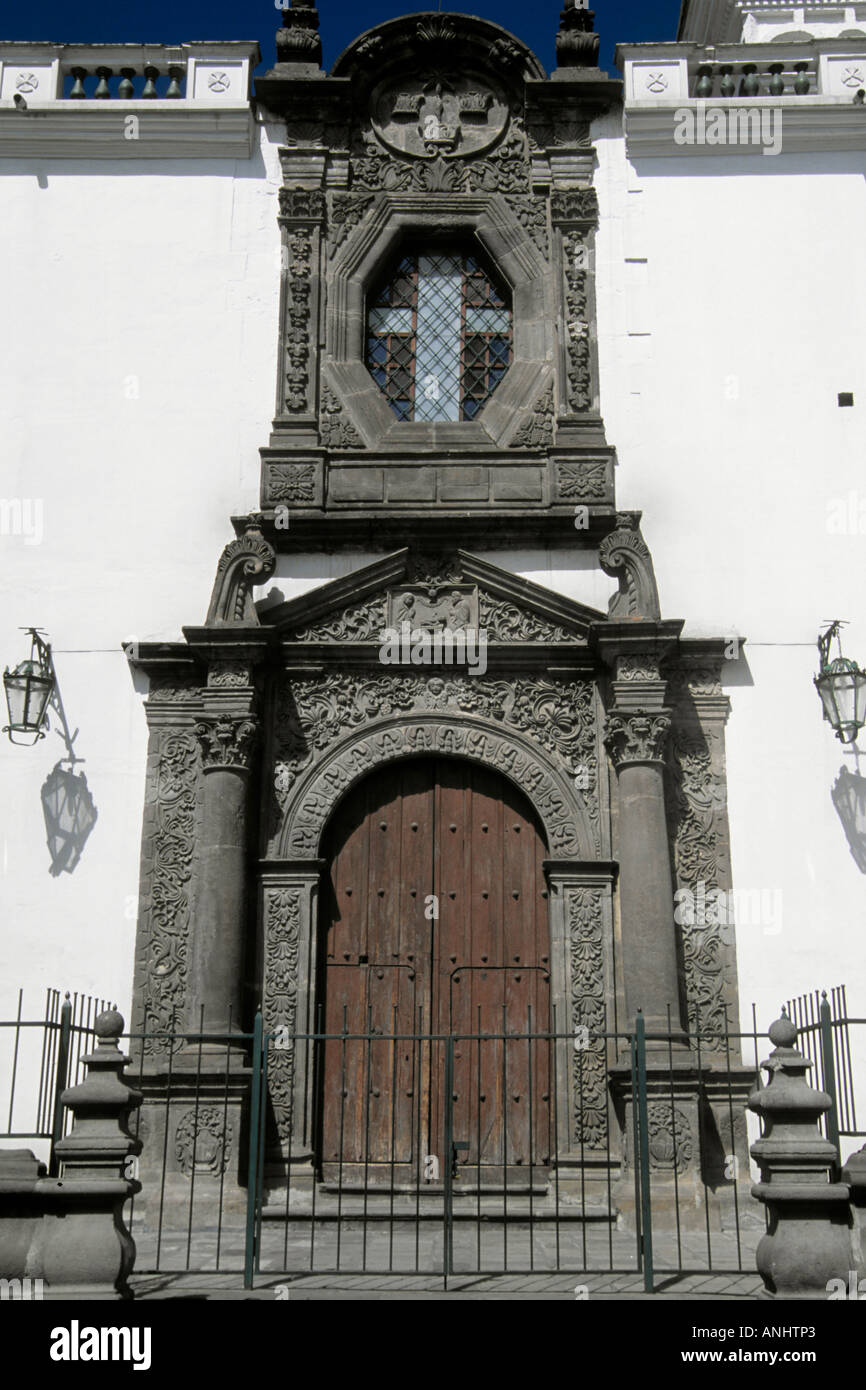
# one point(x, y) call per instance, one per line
point(67, 802)
point(848, 795)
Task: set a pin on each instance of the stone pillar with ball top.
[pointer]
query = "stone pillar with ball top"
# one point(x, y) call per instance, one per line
point(808, 1242)
point(87, 1251)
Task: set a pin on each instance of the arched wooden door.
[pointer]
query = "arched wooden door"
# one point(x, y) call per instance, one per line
point(435, 923)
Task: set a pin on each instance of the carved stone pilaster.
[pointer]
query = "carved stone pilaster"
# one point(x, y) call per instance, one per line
point(227, 742)
point(636, 736)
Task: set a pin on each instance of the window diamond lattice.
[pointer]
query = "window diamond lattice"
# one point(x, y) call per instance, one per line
point(438, 338)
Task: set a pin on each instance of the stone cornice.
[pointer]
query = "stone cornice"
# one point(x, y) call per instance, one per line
point(167, 130)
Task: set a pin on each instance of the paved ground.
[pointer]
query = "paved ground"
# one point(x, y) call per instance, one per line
point(405, 1260)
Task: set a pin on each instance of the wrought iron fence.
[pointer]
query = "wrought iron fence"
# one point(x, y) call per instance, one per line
point(38, 1060)
point(417, 1153)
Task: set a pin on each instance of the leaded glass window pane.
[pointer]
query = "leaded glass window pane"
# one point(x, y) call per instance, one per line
point(438, 337)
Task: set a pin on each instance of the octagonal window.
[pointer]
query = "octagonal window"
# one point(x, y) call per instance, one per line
point(439, 336)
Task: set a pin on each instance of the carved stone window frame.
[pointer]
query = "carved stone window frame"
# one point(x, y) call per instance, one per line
point(397, 218)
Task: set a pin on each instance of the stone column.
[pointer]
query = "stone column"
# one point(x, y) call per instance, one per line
point(637, 727)
point(218, 940)
point(636, 740)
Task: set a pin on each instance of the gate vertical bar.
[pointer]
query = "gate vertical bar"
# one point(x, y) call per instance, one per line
point(448, 1212)
point(830, 1079)
point(253, 1163)
point(643, 1125)
point(61, 1080)
point(632, 1042)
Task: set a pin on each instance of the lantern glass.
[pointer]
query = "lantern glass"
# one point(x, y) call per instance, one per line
point(842, 687)
point(28, 690)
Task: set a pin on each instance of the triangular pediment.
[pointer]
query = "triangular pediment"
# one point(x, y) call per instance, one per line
point(458, 590)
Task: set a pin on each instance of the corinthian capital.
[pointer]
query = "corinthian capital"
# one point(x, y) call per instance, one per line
point(636, 736)
point(227, 742)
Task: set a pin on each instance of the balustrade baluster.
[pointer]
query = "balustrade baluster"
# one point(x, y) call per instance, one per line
point(777, 81)
point(704, 86)
point(125, 88)
point(102, 90)
point(175, 77)
point(150, 75)
point(751, 85)
point(802, 80)
point(727, 86)
point(77, 92)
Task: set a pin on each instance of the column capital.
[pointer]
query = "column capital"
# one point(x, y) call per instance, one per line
point(636, 736)
point(227, 742)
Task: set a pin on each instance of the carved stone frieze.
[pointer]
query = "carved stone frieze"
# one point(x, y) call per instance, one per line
point(227, 741)
point(588, 1021)
point(430, 609)
point(291, 482)
point(577, 327)
point(506, 622)
point(361, 622)
point(584, 479)
point(624, 554)
point(433, 112)
point(574, 207)
point(531, 213)
point(636, 736)
point(346, 211)
point(302, 204)
point(166, 690)
point(169, 837)
point(282, 933)
point(671, 1143)
point(336, 431)
point(203, 1141)
point(228, 675)
point(558, 716)
point(245, 562)
point(637, 668)
point(697, 815)
point(299, 266)
point(504, 169)
point(537, 432)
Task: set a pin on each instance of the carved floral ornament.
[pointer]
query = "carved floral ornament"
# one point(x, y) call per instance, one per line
point(538, 732)
point(636, 737)
point(226, 742)
point(245, 562)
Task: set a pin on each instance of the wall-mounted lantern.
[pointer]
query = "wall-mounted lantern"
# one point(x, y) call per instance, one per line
point(28, 690)
point(842, 687)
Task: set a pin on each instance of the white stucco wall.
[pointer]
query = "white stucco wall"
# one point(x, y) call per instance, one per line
point(731, 304)
point(137, 378)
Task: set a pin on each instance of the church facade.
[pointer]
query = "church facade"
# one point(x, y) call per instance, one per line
point(440, 751)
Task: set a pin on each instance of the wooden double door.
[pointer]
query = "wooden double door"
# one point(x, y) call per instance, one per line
point(435, 925)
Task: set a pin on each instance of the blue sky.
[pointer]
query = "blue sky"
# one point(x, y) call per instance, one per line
point(177, 21)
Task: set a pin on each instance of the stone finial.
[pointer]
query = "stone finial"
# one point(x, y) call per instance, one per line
point(245, 562)
point(89, 1252)
point(808, 1242)
point(577, 44)
point(298, 41)
point(624, 555)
